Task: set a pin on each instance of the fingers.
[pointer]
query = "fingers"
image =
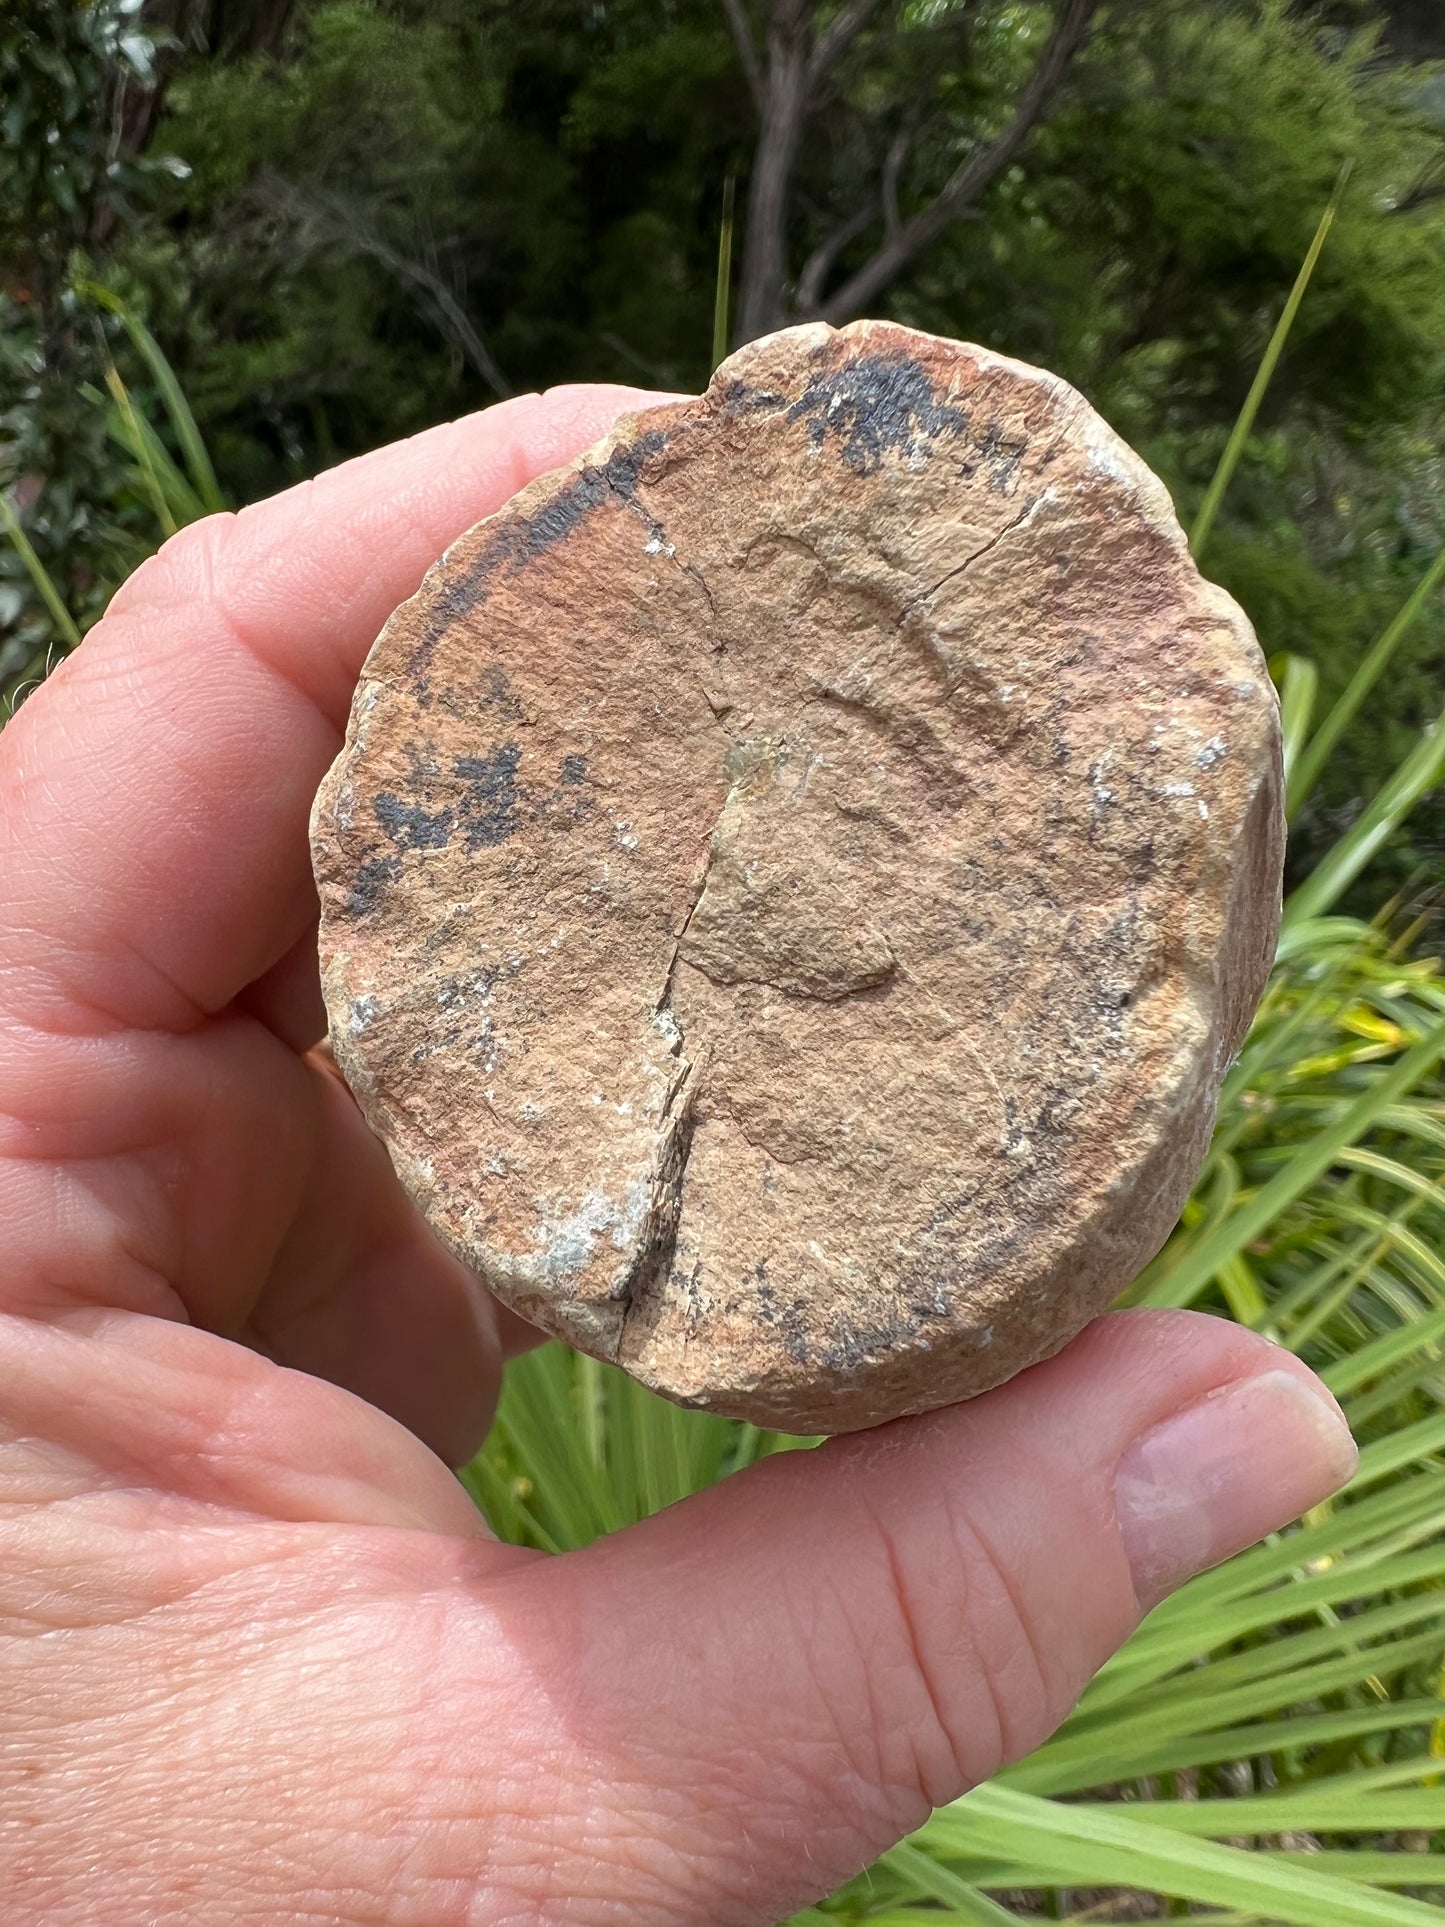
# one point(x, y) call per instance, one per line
point(776, 1680)
point(362, 1294)
point(156, 790)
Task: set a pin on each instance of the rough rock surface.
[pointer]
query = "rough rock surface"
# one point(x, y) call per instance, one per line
point(795, 879)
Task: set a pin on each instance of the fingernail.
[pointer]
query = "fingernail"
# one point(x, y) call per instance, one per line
point(1237, 1464)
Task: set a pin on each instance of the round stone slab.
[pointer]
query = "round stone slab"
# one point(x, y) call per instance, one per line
point(795, 879)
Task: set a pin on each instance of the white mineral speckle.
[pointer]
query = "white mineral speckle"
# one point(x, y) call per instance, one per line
point(664, 1023)
point(655, 545)
point(567, 1240)
point(1103, 795)
point(1176, 789)
point(624, 836)
point(363, 1013)
point(1213, 752)
point(530, 1112)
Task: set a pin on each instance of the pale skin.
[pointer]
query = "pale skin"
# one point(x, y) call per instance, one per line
point(260, 1659)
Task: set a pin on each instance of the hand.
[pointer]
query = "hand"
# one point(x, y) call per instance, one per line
point(260, 1660)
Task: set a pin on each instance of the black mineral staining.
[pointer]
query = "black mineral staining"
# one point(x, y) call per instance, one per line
point(496, 695)
point(490, 809)
point(483, 802)
point(853, 1343)
point(734, 397)
point(412, 828)
point(999, 455)
point(371, 879)
point(518, 540)
point(466, 1029)
point(876, 406)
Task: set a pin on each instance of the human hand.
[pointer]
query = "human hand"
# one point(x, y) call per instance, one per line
point(259, 1659)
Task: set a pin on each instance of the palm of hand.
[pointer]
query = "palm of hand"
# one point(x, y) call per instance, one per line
point(259, 1658)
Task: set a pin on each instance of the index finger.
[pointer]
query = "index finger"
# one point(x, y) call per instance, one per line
point(156, 790)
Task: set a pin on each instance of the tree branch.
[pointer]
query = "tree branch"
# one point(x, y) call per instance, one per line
point(898, 151)
point(325, 221)
point(747, 49)
point(885, 200)
point(839, 34)
point(815, 268)
point(972, 176)
point(780, 125)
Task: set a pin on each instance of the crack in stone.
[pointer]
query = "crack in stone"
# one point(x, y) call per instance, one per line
point(646, 1276)
point(962, 568)
point(657, 535)
point(646, 1280)
point(665, 994)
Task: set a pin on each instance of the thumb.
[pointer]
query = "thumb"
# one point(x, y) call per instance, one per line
point(777, 1679)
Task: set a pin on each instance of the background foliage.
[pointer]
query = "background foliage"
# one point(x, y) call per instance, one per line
point(344, 219)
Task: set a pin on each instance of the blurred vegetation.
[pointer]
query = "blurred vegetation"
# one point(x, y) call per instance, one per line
point(345, 219)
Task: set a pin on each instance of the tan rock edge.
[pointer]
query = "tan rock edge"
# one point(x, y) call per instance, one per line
point(795, 880)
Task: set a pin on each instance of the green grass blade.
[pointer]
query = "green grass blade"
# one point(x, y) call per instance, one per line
point(1319, 935)
point(38, 573)
point(722, 297)
point(1279, 1664)
point(1239, 435)
point(1299, 682)
point(537, 1426)
point(1113, 1848)
point(193, 448)
point(1341, 1808)
point(1195, 1706)
point(1047, 1772)
point(649, 1447)
point(181, 500)
point(135, 443)
point(1155, 1655)
point(501, 1502)
point(1420, 772)
point(1400, 1869)
point(931, 1881)
point(1186, 1279)
point(1304, 773)
point(1374, 1359)
point(1382, 1460)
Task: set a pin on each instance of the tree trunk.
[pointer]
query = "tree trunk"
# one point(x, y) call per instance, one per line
point(784, 104)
